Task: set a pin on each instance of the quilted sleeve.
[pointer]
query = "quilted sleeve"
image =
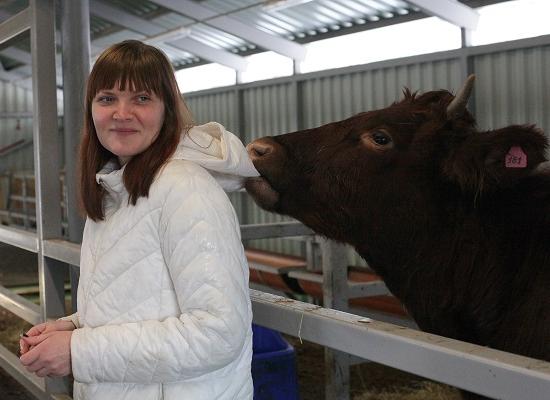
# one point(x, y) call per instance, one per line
point(73, 318)
point(200, 240)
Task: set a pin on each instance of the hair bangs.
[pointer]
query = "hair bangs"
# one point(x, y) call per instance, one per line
point(127, 71)
point(142, 77)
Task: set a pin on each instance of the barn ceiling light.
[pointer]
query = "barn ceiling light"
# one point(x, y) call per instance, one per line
point(278, 5)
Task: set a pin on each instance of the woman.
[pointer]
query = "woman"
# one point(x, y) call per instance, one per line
point(163, 303)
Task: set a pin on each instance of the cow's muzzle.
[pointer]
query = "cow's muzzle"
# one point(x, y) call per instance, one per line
point(262, 152)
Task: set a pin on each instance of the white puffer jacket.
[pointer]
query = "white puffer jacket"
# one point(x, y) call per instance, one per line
point(163, 301)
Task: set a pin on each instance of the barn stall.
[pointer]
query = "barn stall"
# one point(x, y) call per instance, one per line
point(292, 271)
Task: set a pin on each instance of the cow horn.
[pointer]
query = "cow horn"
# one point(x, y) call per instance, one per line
point(458, 105)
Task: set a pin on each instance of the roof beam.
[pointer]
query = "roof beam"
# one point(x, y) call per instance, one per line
point(210, 53)
point(231, 25)
point(156, 32)
point(449, 10)
point(263, 39)
point(15, 25)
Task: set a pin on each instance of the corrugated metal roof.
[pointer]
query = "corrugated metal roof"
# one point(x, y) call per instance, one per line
point(306, 21)
point(139, 8)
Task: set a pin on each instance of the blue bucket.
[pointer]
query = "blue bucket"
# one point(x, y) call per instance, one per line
point(273, 366)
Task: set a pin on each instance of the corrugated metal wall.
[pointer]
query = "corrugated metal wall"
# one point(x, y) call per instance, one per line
point(269, 110)
point(512, 86)
point(15, 99)
point(220, 107)
point(332, 98)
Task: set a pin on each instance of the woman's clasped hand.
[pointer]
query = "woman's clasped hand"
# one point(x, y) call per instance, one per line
point(46, 349)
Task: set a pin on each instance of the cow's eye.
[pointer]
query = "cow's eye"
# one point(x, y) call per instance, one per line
point(377, 140)
point(381, 138)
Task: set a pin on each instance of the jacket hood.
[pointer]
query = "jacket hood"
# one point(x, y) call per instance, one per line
point(220, 152)
point(110, 177)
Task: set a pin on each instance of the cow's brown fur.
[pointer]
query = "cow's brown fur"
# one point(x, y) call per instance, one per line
point(461, 240)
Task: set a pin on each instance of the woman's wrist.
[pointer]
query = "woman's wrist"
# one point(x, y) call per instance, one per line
point(73, 319)
point(64, 324)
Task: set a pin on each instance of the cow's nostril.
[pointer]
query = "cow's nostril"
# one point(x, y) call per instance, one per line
point(258, 149)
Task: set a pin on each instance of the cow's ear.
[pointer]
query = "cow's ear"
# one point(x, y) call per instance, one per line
point(486, 161)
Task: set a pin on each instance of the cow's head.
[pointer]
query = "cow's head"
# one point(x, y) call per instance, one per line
point(397, 163)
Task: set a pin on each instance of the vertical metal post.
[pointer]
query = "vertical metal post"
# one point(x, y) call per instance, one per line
point(465, 36)
point(244, 199)
point(26, 218)
point(296, 67)
point(300, 107)
point(466, 62)
point(11, 180)
point(335, 296)
point(46, 163)
point(75, 28)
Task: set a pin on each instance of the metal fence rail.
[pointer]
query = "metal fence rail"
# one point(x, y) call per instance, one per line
point(475, 368)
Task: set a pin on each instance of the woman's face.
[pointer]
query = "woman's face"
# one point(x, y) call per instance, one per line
point(127, 122)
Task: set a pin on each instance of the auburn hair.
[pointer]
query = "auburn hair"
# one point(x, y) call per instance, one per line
point(135, 66)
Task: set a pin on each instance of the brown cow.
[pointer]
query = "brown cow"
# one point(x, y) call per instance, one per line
point(456, 221)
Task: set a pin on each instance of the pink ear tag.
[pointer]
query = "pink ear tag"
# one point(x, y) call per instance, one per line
point(516, 158)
